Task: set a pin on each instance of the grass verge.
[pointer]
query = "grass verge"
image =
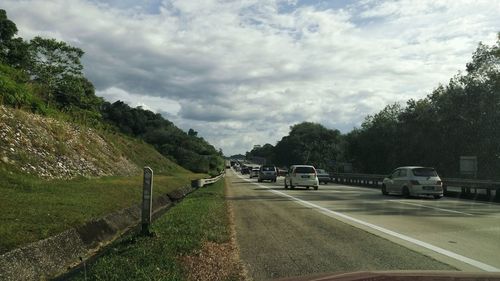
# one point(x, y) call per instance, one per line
point(201, 218)
point(32, 209)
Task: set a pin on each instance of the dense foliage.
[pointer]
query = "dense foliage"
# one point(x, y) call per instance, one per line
point(458, 119)
point(46, 76)
point(307, 143)
point(187, 149)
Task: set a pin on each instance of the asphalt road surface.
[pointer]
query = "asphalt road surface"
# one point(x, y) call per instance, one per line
point(338, 228)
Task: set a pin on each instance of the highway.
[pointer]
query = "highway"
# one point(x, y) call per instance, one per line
point(338, 228)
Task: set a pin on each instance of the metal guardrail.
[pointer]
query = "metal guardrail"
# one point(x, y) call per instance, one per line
point(203, 182)
point(468, 187)
point(358, 179)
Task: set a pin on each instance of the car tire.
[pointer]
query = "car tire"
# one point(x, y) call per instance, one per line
point(316, 187)
point(405, 192)
point(307, 187)
point(291, 185)
point(384, 190)
point(259, 180)
point(286, 186)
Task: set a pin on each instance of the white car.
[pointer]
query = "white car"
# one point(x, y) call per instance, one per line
point(413, 181)
point(302, 175)
point(254, 172)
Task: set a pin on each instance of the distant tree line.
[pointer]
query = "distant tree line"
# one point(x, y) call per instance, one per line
point(187, 149)
point(307, 143)
point(461, 118)
point(46, 77)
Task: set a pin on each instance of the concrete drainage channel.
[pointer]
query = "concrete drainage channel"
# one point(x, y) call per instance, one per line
point(59, 254)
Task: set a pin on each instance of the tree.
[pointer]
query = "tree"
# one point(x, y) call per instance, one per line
point(192, 133)
point(374, 146)
point(7, 31)
point(457, 119)
point(53, 63)
point(13, 51)
point(308, 143)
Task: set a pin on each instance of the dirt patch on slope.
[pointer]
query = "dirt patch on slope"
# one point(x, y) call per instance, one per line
point(55, 149)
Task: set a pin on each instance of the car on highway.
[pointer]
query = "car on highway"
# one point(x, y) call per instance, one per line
point(245, 170)
point(254, 172)
point(323, 176)
point(282, 172)
point(301, 175)
point(413, 181)
point(267, 172)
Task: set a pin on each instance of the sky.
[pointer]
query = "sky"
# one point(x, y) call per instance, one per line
point(241, 73)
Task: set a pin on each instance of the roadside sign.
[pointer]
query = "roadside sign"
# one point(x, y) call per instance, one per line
point(147, 199)
point(468, 165)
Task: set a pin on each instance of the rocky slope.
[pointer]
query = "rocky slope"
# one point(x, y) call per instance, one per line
point(55, 149)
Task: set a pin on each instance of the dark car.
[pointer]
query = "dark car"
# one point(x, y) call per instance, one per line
point(267, 172)
point(245, 170)
point(323, 176)
point(282, 172)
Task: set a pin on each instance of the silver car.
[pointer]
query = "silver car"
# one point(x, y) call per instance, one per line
point(323, 176)
point(267, 172)
point(413, 181)
point(254, 172)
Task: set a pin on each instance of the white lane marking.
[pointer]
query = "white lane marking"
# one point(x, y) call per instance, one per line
point(423, 244)
point(430, 207)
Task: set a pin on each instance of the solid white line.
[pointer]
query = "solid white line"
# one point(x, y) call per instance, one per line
point(426, 245)
point(430, 207)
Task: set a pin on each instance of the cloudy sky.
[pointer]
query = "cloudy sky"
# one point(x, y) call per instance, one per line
point(241, 72)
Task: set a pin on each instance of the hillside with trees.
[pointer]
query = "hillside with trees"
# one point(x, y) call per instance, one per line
point(45, 76)
point(460, 118)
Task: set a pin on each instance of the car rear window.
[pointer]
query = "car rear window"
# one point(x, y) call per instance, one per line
point(320, 171)
point(304, 170)
point(424, 172)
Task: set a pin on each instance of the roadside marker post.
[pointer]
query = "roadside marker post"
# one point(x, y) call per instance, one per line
point(147, 200)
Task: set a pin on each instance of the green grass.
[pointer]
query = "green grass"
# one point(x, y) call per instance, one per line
point(32, 209)
point(143, 154)
point(201, 216)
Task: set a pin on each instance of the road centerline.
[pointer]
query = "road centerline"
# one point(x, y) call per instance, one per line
point(334, 214)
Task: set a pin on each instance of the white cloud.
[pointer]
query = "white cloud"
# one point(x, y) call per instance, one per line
point(152, 103)
point(242, 72)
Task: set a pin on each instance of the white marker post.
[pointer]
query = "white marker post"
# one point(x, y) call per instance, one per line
point(147, 199)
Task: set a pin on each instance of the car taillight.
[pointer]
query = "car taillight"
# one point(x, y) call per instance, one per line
point(439, 183)
point(414, 182)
